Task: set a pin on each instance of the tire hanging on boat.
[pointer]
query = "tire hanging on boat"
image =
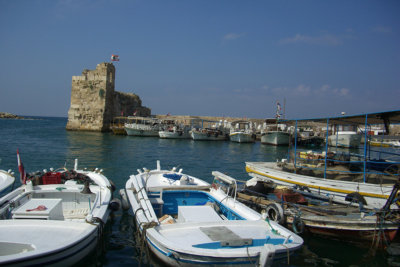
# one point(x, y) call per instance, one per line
point(275, 213)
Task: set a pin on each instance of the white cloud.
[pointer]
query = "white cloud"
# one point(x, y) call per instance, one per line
point(233, 36)
point(324, 39)
point(302, 89)
point(341, 92)
point(324, 88)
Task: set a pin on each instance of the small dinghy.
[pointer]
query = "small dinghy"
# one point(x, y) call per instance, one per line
point(54, 218)
point(191, 223)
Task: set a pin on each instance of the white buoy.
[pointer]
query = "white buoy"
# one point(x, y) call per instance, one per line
point(124, 200)
point(76, 165)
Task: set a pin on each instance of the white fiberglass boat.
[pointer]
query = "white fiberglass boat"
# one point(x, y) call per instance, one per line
point(142, 126)
point(345, 139)
point(175, 132)
point(276, 138)
point(56, 218)
point(185, 225)
point(6, 180)
point(242, 132)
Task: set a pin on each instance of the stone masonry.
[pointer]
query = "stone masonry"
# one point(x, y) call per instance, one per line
point(94, 102)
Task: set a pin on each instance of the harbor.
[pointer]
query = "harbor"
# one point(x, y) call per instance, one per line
point(200, 133)
point(120, 156)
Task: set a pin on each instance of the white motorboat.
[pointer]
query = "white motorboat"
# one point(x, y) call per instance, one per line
point(276, 138)
point(346, 139)
point(208, 135)
point(143, 126)
point(187, 225)
point(6, 180)
point(56, 218)
point(175, 132)
point(275, 133)
point(242, 132)
point(210, 131)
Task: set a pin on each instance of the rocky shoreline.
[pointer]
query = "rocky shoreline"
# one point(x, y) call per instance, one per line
point(6, 115)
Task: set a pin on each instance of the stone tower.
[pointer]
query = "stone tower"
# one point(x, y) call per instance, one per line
point(94, 102)
point(92, 99)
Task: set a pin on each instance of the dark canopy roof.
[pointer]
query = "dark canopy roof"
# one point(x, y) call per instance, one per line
point(387, 117)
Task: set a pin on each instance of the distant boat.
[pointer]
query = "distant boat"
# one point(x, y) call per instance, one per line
point(187, 224)
point(143, 126)
point(347, 139)
point(275, 133)
point(118, 125)
point(276, 138)
point(210, 131)
point(242, 132)
point(307, 138)
point(175, 130)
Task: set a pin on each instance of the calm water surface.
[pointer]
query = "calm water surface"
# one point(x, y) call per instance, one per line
point(44, 143)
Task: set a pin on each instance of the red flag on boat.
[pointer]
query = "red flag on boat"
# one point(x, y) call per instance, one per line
point(114, 58)
point(21, 169)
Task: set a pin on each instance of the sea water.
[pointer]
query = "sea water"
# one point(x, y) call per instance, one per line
point(43, 143)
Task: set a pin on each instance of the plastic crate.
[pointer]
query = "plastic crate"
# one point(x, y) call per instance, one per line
point(51, 178)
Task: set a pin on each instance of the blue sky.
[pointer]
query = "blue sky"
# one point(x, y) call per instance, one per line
point(214, 58)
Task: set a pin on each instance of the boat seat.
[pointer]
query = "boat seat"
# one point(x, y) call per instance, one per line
point(197, 214)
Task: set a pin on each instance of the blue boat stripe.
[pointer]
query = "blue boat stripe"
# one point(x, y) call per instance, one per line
point(246, 260)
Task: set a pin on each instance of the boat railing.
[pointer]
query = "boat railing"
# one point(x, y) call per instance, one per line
point(231, 182)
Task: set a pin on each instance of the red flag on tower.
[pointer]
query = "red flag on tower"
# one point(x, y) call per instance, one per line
point(114, 58)
point(21, 169)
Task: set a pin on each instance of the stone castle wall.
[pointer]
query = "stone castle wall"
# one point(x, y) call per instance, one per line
point(94, 102)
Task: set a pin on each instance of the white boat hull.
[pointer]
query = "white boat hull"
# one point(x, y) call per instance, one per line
point(240, 137)
point(374, 194)
point(29, 241)
point(6, 180)
point(174, 135)
point(196, 135)
point(141, 132)
point(346, 140)
point(275, 138)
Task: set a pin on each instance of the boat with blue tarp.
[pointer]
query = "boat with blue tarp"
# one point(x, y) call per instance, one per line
point(194, 223)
